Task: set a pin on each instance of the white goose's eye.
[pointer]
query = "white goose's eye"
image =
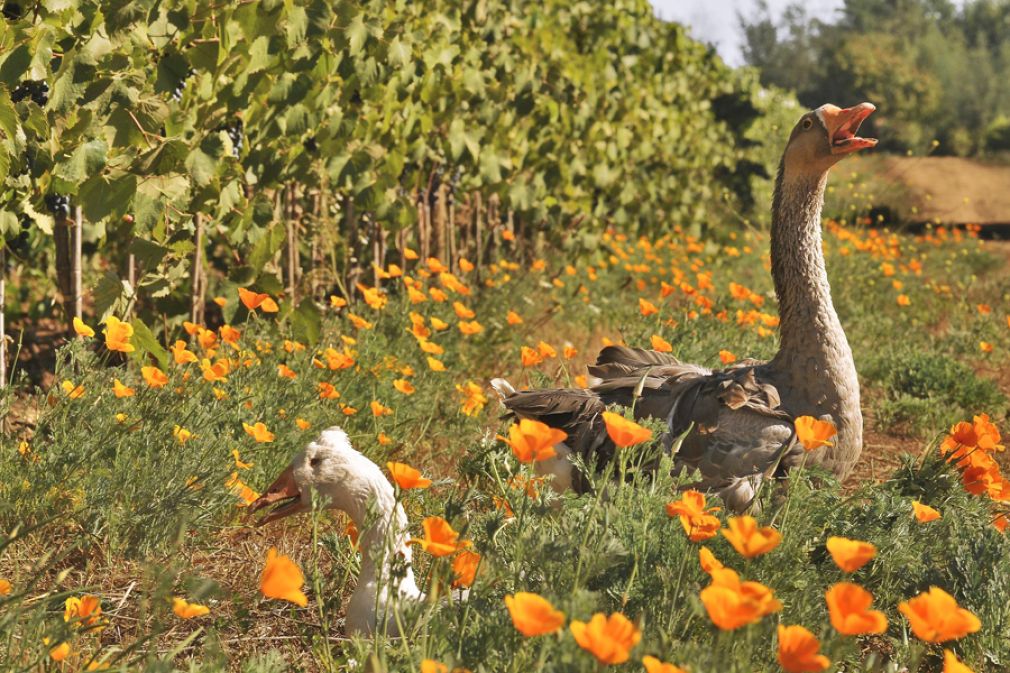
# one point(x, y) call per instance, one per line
point(807, 123)
point(315, 461)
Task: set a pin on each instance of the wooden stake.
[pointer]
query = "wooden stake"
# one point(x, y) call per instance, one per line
point(3, 309)
point(76, 270)
point(292, 242)
point(478, 231)
point(196, 300)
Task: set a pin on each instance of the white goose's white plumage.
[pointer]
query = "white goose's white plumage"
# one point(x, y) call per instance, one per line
point(350, 482)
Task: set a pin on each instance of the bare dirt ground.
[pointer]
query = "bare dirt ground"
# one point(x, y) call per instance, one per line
point(946, 189)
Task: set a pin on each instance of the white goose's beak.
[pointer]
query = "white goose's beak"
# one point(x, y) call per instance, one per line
point(283, 491)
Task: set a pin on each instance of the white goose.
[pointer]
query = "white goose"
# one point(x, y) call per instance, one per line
point(353, 484)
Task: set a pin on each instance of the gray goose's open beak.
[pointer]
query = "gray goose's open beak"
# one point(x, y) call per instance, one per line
point(842, 126)
point(283, 492)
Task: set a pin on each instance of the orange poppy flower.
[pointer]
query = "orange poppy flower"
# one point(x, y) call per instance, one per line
point(569, 352)
point(154, 377)
point(850, 555)
point(988, 436)
point(462, 312)
point(259, 432)
point(72, 391)
point(546, 350)
point(5, 587)
point(119, 389)
point(432, 666)
point(327, 391)
point(302, 424)
point(646, 307)
point(469, 328)
point(384, 439)
point(709, 563)
point(903, 300)
point(404, 386)
point(985, 346)
point(532, 441)
point(1001, 522)
point(286, 372)
point(379, 409)
point(246, 495)
point(439, 325)
point(731, 604)
point(533, 615)
point(697, 520)
point(799, 651)
point(473, 398)
point(464, 569)
point(435, 364)
point(257, 300)
point(660, 344)
point(623, 432)
point(117, 335)
point(374, 297)
point(410, 254)
point(183, 609)
point(654, 665)
point(230, 335)
point(530, 357)
point(85, 611)
point(58, 653)
point(609, 639)
point(726, 357)
point(849, 610)
point(359, 322)
point(282, 579)
point(513, 318)
point(430, 347)
point(814, 433)
point(439, 538)
point(951, 664)
point(406, 477)
point(924, 513)
point(750, 540)
point(181, 355)
point(82, 329)
point(936, 617)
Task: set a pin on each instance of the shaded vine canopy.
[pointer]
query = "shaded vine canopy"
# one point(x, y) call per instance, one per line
point(145, 113)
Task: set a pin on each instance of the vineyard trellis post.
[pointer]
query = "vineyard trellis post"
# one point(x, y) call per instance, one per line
point(196, 300)
point(3, 313)
point(77, 242)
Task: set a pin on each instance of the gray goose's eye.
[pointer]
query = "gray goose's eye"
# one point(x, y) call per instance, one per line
point(315, 461)
point(807, 123)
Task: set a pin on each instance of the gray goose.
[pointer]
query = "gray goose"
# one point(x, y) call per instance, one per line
point(739, 420)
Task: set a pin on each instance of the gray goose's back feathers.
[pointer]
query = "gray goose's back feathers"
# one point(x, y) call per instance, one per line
point(739, 425)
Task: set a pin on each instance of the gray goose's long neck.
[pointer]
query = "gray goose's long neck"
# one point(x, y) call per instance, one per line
point(814, 356)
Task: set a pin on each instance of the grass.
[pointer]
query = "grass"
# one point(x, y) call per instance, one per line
point(124, 509)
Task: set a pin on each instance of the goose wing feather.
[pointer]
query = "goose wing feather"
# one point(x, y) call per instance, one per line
point(576, 411)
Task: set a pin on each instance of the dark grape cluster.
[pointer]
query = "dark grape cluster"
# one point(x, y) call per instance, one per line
point(12, 11)
point(58, 205)
point(235, 134)
point(19, 244)
point(37, 90)
point(181, 86)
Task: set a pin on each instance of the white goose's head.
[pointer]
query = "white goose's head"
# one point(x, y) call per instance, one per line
point(345, 478)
